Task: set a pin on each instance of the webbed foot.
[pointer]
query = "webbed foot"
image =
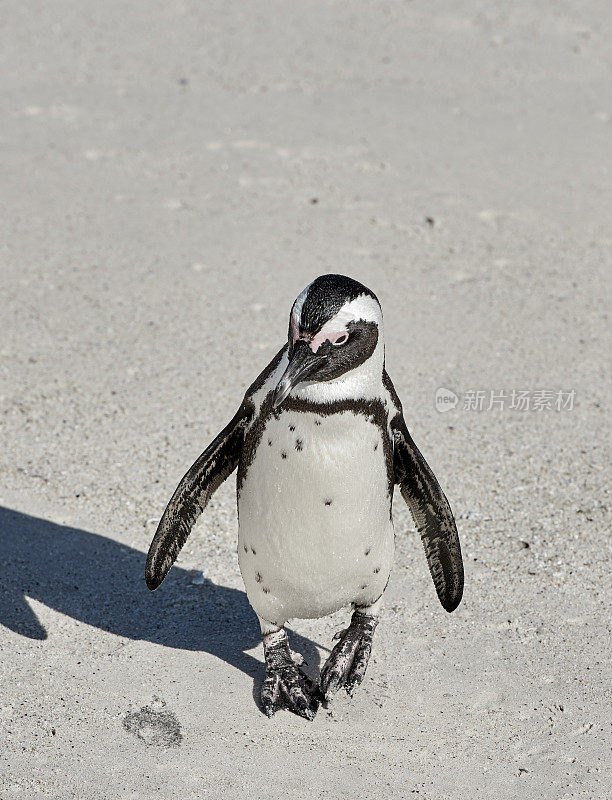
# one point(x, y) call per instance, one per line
point(285, 685)
point(348, 661)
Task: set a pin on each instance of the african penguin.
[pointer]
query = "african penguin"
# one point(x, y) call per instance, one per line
point(319, 442)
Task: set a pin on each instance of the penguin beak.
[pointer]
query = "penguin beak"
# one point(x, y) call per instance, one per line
point(302, 363)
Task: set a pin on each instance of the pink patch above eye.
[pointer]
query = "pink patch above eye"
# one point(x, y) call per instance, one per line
point(314, 342)
point(335, 338)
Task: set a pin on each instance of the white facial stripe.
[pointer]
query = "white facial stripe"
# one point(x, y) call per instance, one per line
point(296, 312)
point(363, 308)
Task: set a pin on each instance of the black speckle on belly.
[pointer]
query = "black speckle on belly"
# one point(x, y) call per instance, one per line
point(328, 502)
point(317, 421)
point(283, 455)
point(253, 551)
point(299, 445)
point(265, 590)
point(364, 586)
point(258, 577)
point(377, 570)
point(376, 447)
point(269, 442)
point(246, 549)
point(291, 427)
point(367, 552)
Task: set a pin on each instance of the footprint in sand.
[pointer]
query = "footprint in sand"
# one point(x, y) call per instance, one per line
point(154, 726)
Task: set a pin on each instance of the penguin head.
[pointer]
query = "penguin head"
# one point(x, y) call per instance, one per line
point(335, 327)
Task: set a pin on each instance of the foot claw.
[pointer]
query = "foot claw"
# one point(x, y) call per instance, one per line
point(348, 661)
point(285, 685)
point(330, 685)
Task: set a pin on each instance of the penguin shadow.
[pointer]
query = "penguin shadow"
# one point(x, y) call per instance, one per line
point(99, 581)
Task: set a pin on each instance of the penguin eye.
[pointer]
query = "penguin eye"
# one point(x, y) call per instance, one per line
point(341, 339)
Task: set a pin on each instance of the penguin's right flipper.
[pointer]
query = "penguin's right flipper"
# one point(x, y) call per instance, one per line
point(192, 494)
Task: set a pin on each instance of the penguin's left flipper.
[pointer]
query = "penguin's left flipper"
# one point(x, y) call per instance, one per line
point(431, 513)
point(192, 494)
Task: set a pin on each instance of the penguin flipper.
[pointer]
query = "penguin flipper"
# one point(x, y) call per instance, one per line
point(431, 513)
point(192, 494)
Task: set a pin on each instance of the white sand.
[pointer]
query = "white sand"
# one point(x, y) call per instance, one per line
point(160, 166)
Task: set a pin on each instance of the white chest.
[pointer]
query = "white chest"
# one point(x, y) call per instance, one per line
point(314, 512)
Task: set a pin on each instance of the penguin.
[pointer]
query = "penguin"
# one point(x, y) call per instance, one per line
point(319, 443)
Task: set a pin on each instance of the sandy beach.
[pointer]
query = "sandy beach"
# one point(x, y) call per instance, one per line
point(173, 175)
